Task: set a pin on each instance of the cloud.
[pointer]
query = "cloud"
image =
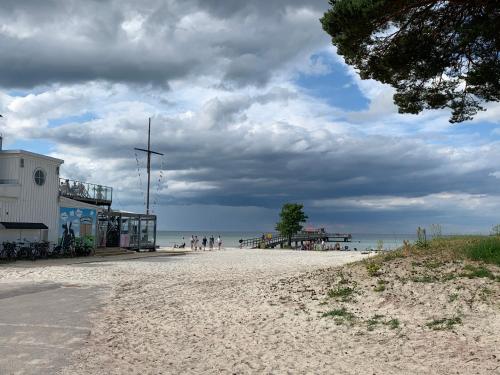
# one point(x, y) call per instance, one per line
point(240, 137)
point(152, 42)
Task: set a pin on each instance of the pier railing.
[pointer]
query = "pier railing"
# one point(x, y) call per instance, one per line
point(86, 192)
point(279, 240)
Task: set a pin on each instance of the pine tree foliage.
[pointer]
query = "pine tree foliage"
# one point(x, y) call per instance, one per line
point(436, 54)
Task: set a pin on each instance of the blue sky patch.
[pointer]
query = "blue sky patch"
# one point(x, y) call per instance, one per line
point(40, 146)
point(335, 87)
point(87, 116)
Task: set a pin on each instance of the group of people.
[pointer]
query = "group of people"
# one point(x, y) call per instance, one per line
point(210, 242)
point(321, 245)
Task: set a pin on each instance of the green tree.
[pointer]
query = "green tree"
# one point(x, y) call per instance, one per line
point(435, 53)
point(291, 217)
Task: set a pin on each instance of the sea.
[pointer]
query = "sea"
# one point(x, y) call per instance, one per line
point(360, 241)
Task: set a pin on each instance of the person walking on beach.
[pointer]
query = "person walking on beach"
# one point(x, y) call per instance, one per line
point(204, 242)
point(192, 242)
point(196, 242)
point(211, 243)
point(219, 242)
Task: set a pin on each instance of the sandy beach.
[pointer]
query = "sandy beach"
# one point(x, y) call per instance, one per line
point(257, 311)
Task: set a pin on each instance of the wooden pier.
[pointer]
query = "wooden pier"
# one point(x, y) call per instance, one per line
point(299, 238)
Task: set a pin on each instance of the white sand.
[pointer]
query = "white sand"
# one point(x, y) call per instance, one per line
point(210, 312)
point(229, 312)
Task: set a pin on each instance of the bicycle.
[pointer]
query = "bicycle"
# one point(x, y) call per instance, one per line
point(9, 251)
point(68, 249)
point(42, 249)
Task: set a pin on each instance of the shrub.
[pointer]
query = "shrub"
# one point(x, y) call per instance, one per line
point(444, 323)
point(421, 238)
point(344, 293)
point(436, 231)
point(372, 268)
point(424, 279)
point(380, 286)
point(486, 249)
point(393, 323)
point(479, 272)
point(340, 313)
point(380, 245)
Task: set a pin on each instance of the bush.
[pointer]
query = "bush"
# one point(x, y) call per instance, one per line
point(479, 272)
point(421, 238)
point(444, 323)
point(485, 249)
point(373, 269)
point(436, 231)
point(344, 293)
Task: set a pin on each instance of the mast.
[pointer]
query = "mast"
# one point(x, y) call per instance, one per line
point(149, 152)
point(149, 164)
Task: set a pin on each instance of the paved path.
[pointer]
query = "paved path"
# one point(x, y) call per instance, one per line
point(42, 323)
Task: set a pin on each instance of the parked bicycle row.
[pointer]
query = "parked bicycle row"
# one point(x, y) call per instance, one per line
point(16, 250)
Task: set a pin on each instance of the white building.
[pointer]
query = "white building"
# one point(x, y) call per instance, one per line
point(29, 196)
point(36, 204)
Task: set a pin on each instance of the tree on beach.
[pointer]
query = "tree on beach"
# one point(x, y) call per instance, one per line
point(291, 217)
point(435, 53)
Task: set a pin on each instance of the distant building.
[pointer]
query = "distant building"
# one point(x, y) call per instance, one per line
point(36, 204)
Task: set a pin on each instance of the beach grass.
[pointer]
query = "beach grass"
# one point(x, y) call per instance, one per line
point(485, 249)
point(444, 323)
point(341, 313)
point(344, 293)
point(380, 286)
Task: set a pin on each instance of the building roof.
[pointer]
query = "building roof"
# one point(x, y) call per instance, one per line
point(32, 154)
point(129, 214)
point(22, 225)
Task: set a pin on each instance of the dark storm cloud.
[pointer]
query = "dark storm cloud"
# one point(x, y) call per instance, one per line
point(151, 42)
point(264, 8)
point(277, 162)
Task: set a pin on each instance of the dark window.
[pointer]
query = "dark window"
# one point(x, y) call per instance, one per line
point(39, 177)
point(57, 171)
point(22, 163)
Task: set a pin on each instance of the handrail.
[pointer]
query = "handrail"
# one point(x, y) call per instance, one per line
point(302, 236)
point(85, 191)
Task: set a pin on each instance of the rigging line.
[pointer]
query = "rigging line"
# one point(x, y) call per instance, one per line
point(140, 180)
point(159, 186)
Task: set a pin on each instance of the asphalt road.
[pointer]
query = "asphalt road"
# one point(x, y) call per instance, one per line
point(42, 323)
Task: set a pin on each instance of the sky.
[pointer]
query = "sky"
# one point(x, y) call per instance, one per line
point(252, 108)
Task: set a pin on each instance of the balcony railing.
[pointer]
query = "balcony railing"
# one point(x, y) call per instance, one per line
point(86, 192)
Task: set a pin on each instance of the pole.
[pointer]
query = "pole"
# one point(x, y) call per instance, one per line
point(149, 164)
point(149, 152)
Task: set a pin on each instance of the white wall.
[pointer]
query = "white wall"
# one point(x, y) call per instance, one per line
point(36, 204)
point(17, 235)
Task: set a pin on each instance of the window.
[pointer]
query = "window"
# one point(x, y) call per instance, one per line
point(39, 177)
point(57, 171)
point(22, 163)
